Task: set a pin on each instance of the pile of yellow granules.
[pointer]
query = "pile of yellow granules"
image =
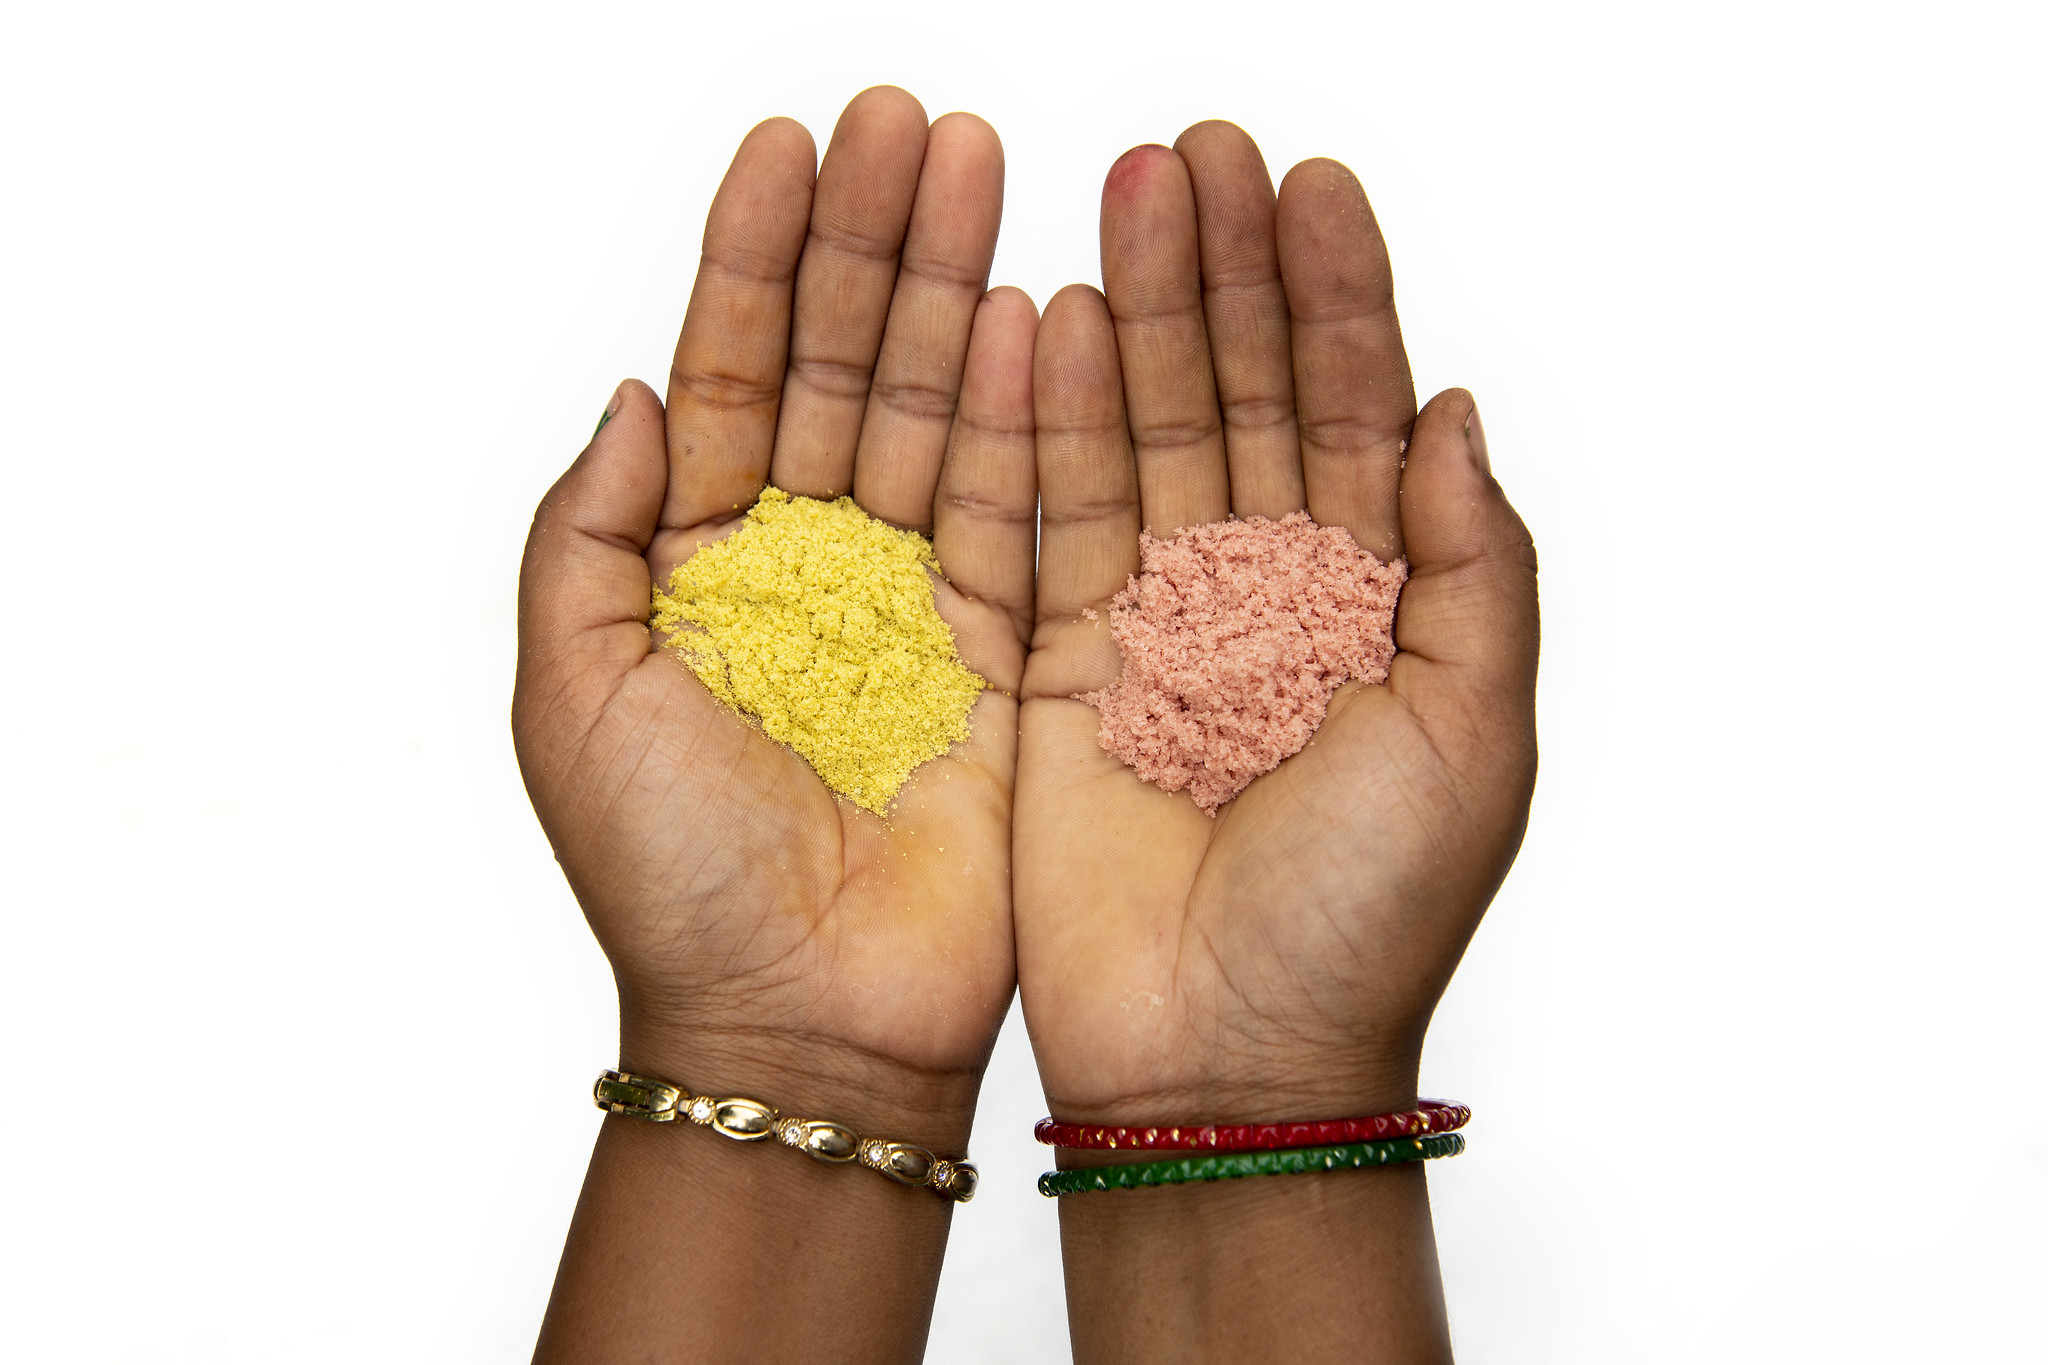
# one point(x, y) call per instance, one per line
point(817, 621)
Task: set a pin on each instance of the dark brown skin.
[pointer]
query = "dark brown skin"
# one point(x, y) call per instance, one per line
point(1279, 960)
point(769, 940)
point(1282, 959)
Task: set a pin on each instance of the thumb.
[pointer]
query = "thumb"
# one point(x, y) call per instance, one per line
point(584, 584)
point(1467, 616)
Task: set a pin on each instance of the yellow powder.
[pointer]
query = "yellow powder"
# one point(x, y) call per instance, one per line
point(817, 620)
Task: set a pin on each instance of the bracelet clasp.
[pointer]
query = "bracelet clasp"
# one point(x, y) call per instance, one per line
point(639, 1097)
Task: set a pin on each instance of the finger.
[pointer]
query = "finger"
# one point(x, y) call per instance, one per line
point(1352, 392)
point(1469, 607)
point(1152, 277)
point(1087, 478)
point(1245, 307)
point(583, 584)
point(865, 190)
point(986, 514)
point(946, 255)
point(726, 382)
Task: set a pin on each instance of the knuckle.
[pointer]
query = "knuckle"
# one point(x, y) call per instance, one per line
point(720, 390)
point(1161, 434)
point(989, 511)
point(742, 263)
point(847, 379)
point(1259, 412)
point(1172, 314)
point(931, 268)
point(848, 240)
point(914, 399)
point(1353, 434)
point(1347, 304)
point(1254, 279)
point(1087, 511)
point(993, 429)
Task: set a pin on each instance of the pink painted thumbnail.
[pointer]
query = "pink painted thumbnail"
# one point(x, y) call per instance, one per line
point(1234, 636)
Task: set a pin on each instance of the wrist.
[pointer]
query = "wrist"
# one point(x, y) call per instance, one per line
point(810, 1076)
point(1337, 1087)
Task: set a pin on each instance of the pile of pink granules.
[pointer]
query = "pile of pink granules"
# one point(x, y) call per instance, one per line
point(1234, 637)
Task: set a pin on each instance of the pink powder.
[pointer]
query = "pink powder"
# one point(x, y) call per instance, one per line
point(1233, 639)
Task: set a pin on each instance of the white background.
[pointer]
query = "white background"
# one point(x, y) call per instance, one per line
point(301, 311)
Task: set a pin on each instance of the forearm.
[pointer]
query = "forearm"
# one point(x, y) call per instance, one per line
point(1337, 1266)
point(687, 1245)
point(1330, 1266)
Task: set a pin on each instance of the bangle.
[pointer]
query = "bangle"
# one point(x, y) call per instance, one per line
point(743, 1120)
point(1429, 1116)
point(1235, 1165)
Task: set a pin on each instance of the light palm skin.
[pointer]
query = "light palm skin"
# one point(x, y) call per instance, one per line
point(1281, 959)
point(768, 938)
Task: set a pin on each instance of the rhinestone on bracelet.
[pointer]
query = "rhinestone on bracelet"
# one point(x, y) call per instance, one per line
point(744, 1120)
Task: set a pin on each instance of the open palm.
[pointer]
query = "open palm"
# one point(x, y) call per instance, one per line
point(767, 937)
point(1281, 959)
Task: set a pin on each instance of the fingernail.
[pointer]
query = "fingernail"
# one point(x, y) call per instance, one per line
point(1475, 441)
point(609, 409)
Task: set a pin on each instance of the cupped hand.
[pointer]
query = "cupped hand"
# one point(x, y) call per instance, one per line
point(769, 938)
point(1280, 959)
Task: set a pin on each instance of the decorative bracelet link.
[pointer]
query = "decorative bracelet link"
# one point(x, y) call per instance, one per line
point(744, 1120)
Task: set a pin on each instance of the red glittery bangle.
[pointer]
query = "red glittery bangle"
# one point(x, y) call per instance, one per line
point(1430, 1116)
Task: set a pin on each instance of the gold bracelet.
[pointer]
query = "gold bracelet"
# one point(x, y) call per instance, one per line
point(906, 1163)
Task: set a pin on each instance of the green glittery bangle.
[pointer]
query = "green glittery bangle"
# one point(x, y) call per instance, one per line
point(1236, 1165)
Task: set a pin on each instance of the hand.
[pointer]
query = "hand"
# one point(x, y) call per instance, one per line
point(769, 939)
point(1280, 960)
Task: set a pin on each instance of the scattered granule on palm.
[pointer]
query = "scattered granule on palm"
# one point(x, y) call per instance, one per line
point(1234, 636)
point(817, 621)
